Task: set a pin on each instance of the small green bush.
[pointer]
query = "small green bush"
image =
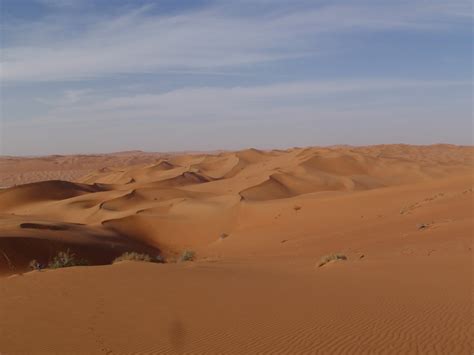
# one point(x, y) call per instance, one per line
point(66, 259)
point(331, 257)
point(134, 256)
point(187, 255)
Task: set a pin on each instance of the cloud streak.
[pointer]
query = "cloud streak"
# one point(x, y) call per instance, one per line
point(279, 101)
point(277, 115)
point(208, 39)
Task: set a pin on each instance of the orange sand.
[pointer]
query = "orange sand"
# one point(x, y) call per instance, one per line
point(259, 222)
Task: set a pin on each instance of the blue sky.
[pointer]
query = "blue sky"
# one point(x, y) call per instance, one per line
point(109, 75)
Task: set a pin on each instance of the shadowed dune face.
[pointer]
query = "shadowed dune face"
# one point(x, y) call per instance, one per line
point(399, 219)
point(188, 201)
point(21, 242)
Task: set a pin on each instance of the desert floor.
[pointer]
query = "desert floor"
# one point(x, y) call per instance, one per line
point(259, 223)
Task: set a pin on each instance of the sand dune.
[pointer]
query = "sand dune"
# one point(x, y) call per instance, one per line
point(22, 170)
point(169, 201)
point(43, 191)
point(259, 221)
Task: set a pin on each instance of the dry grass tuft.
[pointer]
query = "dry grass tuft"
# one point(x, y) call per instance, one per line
point(188, 255)
point(35, 265)
point(134, 256)
point(66, 259)
point(331, 257)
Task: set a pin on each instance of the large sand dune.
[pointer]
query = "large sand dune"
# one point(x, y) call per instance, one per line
point(259, 222)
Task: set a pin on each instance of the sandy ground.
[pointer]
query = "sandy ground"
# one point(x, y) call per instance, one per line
point(259, 222)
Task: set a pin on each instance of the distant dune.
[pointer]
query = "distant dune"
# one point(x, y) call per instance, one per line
point(259, 221)
point(23, 170)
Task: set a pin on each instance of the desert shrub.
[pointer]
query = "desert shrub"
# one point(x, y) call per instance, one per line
point(66, 259)
point(134, 256)
point(35, 265)
point(160, 259)
point(331, 257)
point(187, 255)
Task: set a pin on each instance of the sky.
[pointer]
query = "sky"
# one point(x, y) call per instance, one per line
point(92, 76)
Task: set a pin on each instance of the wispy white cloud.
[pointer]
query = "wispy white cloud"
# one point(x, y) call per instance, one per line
point(69, 97)
point(277, 115)
point(297, 100)
point(212, 39)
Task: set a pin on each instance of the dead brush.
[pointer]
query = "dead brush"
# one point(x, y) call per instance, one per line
point(330, 258)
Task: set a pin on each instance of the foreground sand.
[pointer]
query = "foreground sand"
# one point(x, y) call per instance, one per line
point(259, 222)
point(414, 305)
